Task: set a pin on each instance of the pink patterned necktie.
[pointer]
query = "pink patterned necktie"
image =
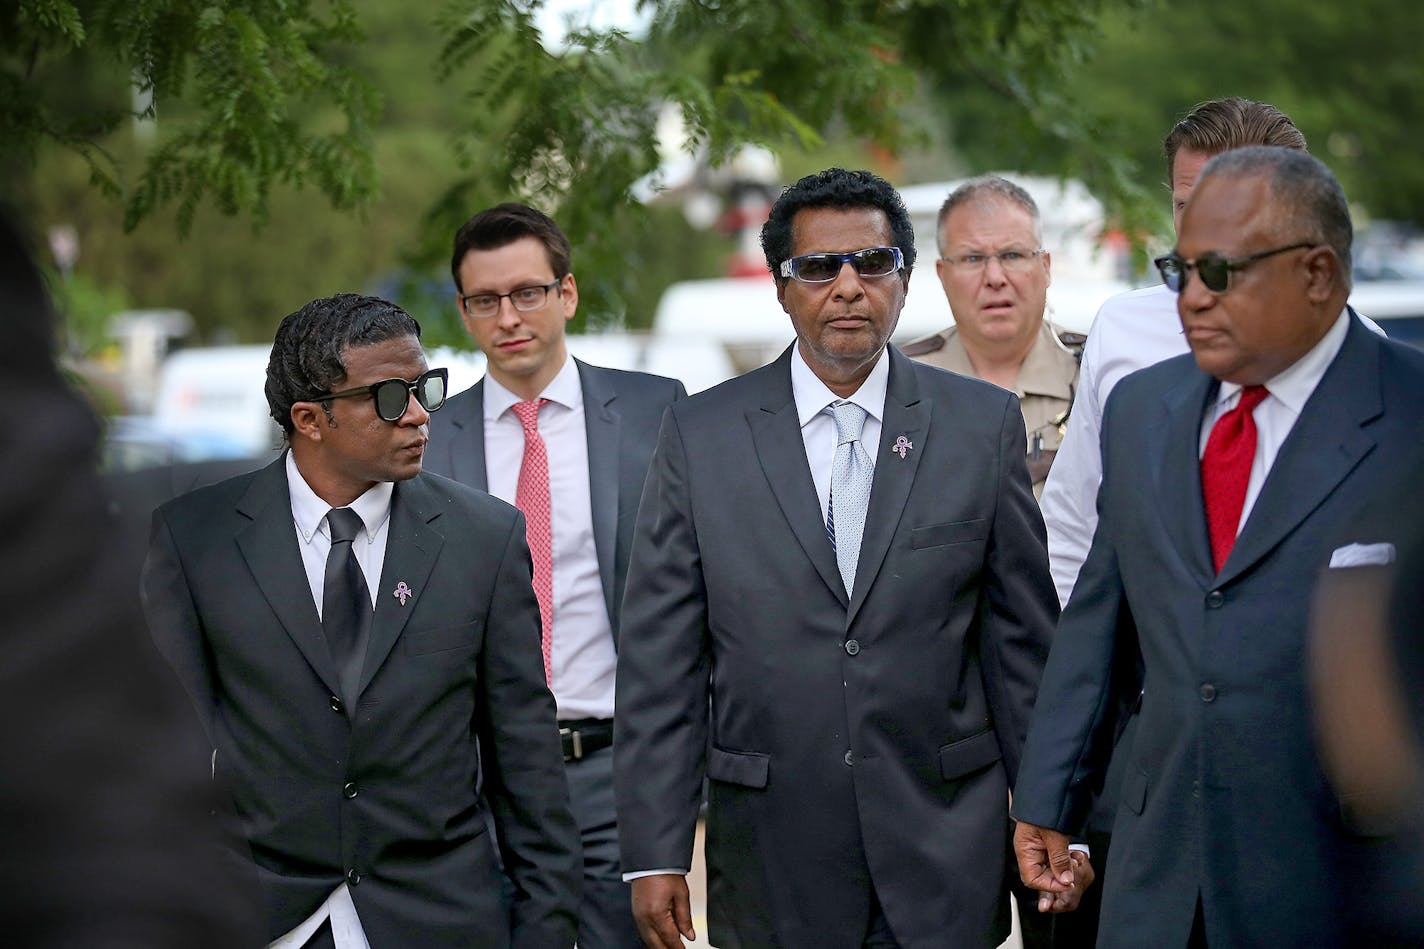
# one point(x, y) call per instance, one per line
point(1226, 472)
point(532, 497)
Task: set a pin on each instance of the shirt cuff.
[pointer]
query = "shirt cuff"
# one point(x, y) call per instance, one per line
point(1083, 849)
point(638, 874)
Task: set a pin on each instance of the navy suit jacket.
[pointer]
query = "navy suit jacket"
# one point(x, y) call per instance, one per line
point(857, 742)
point(452, 693)
point(1222, 795)
point(621, 412)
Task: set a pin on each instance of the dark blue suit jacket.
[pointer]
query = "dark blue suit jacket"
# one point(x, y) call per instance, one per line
point(1223, 795)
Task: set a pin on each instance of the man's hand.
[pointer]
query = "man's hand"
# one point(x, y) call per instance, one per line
point(1045, 864)
point(1068, 900)
point(662, 910)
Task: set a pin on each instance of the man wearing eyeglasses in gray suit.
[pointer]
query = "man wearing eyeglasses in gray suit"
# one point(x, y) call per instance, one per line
point(568, 443)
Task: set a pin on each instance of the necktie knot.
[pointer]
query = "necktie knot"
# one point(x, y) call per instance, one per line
point(850, 419)
point(528, 413)
point(1251, 396)
point(344, 524)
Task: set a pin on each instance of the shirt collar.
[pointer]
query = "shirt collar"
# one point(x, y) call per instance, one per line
point(812, 395)
point(309, 511)
point(564, 389)
point(1294, 385)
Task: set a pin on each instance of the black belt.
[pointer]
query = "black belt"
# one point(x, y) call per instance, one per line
point(583, 736)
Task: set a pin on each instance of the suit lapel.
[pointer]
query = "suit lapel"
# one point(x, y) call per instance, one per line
point(467, 451)
point(776, 434)
point(604, 430)
point(1179, 490)
point(905, 415)
point(269, 545)
point(411, 549)
point(1325, 445)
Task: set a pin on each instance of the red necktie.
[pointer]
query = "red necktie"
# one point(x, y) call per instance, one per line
point(1226, 471)
point(532, 497)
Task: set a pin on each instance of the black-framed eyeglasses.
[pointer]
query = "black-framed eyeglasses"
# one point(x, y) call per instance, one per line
point(823, 268)
point(1215, 270)
point(392, 396)
point(524, 299)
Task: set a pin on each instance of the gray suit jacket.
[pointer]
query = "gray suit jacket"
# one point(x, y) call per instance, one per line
point(382, 796)
point(621, 415)
point(856, 742)
point(1223, 795)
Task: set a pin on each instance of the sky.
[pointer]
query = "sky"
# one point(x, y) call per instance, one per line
point(554, 14)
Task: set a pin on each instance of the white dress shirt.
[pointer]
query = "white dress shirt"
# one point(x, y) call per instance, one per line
point(1131, 331)
point(314, 542)
point(1276, 415)
point(818, 425)
point(583, 659)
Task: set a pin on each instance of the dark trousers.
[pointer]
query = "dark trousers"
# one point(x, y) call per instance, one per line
point(606, 913)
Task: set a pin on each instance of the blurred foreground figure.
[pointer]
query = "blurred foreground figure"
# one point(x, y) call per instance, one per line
point(1367, 684)
point(101, 827)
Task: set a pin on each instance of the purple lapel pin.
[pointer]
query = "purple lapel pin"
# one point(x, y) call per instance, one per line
point(402, 592)
point(902, 445)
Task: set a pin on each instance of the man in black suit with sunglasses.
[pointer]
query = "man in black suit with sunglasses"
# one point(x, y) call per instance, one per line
point(362, 645)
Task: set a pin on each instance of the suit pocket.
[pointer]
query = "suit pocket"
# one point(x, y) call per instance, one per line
point(438, 640)
point(747, 768)
point(942, 535)
point(963, 757)
point(1134, 789)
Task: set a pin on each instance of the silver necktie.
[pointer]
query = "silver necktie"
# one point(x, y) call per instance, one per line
point(851, 476)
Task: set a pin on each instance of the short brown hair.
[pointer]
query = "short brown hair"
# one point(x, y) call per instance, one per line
point(1223, 124)
point(504, 224)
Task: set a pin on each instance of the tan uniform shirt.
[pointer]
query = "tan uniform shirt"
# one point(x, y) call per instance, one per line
point(1044, 387)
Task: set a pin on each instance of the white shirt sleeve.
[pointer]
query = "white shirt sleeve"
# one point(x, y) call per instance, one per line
point(1070, 495)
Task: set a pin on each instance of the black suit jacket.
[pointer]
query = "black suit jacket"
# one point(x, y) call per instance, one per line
point(1223, 794)
point(621, 413)
point(382, 796)
point(852, 741)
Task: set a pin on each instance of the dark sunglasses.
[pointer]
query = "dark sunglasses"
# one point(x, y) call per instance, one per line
point(823, 268)
point(392, 396)
point(1215, 271)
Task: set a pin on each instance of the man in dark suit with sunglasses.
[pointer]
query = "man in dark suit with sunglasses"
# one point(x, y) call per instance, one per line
point(1228, 475)
point(838, 607)
point(361, 643)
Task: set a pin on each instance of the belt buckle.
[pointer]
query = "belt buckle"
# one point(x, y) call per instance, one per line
point(577, 742)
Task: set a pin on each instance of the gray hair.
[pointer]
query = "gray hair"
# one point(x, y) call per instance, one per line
point(983, 188)
point(1307, 201)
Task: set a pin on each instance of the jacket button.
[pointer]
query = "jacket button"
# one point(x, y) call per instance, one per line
point(336, 705)
point(852, 647)
point(849, 758)
point(1207, 692)
point(353, 876)
point(349, 790)
point(1215, 599)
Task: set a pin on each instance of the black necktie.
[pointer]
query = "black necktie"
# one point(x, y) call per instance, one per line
point(345, 601)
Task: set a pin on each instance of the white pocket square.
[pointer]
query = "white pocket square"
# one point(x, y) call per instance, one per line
point(1362, 555)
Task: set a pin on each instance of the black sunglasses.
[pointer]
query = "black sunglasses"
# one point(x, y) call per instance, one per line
point(392, 396)
point(1215, 271)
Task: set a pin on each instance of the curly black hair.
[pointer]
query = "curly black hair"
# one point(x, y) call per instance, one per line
point(306, 355)
point(843, 190)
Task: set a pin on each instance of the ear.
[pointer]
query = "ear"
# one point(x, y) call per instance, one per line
point(781, 294)
point(308, 420)
point(1322, 274)
point(1048, 267)
point(568, 295)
